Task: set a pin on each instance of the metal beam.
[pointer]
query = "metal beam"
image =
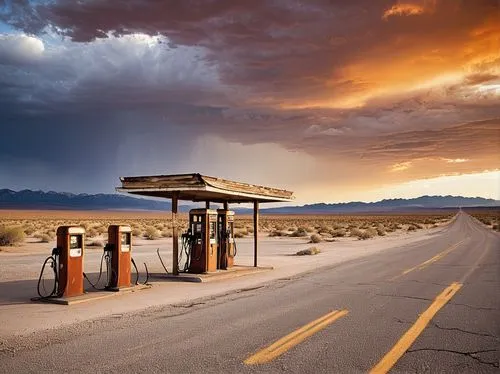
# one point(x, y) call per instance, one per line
point(175, 236)
point(255, 231)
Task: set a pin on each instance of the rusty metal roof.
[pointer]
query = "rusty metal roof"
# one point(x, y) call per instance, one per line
point(197, 187)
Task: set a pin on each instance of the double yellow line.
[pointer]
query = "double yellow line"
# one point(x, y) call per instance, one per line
point(291, 340)
point(424, 264)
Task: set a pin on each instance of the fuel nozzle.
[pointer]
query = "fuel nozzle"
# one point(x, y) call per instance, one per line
point(56, 251)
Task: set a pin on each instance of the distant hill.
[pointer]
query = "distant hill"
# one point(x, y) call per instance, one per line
point(28, 199)
point(390, 205)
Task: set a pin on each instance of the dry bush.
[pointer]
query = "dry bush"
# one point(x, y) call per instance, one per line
point(381, 230)
point(29, 230)
point(277, 233)
point(308, 252)
point(315, 238)
point(91, 233)
point(13, 235)
point(167, 233)
point(300, 232)
point(136, 232)
point(239, 234)
point(355, 232)
point(43, 238)
point(412, 228)
point(101, 229)
point(151, 233)
point(338, 233)
point(363, 234)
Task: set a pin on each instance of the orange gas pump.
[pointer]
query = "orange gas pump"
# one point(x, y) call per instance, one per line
point(200, 242)
point(226, 248)
point(71, 248)
point(119, 247)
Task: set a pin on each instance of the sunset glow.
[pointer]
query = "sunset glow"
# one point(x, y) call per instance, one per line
point(326, 99)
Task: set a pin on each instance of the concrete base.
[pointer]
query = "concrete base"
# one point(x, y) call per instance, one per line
point(233, 272)
point(91, 296)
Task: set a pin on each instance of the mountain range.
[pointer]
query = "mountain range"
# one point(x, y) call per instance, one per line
point(39, 200)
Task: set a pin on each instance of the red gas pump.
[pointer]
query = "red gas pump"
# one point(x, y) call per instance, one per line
point(120, 248)
point(226, 248)
point(71, 248)
point(201, 241)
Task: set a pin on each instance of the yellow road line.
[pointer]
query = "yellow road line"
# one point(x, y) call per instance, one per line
point(390, 359)
point(429, 261)
point(291, 340)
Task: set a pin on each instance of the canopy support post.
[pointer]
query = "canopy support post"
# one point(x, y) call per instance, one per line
point(255, 231)
point(175, 235)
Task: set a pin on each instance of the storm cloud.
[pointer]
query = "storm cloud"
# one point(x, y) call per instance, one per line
point(103, 88)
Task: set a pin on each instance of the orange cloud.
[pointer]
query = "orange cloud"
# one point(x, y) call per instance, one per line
point(401, 166)
point(403, 9)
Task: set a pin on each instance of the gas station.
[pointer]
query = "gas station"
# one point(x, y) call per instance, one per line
point(207, 247)
point(203, 233)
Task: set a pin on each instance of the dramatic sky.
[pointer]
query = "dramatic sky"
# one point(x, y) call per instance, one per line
point(336, 100)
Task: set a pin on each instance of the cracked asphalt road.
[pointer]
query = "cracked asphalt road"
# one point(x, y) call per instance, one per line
point(217, 334)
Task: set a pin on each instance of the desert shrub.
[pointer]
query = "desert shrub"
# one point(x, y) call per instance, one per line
point(315, 238)
point(381, 230)
point(29, 231)
point(369, 233)
point(323, 228)
point(151, 233)
point(43, 237)
point(137, 232)
point(239, 234)
point(277, 233)
point(363, 234)
point(101, 229)
point(308, 252)
point(239, 225)
point(355, 232)
point(166, 233)
point(91, 233)
point(300, 232)
point(11, 235)
point(412, 228)
point(337, 233)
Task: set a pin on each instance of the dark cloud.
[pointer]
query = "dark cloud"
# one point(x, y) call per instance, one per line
point(346, 83)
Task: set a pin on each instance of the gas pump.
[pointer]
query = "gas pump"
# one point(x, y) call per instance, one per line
point(119, 248)
point(71, 241)
point(226, 248)
point(200, 241)
point(66, 262)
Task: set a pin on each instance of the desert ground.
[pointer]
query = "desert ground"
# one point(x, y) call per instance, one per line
point(34, 231)
point(355, 266)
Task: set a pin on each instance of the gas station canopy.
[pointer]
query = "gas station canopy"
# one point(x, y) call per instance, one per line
point(197, 187)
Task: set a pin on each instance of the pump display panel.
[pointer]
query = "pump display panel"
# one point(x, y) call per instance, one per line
point(75, 245)
point(125, 241)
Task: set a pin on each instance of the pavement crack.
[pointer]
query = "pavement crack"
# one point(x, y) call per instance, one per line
point(403, 297)
point(434, 324)
point(473, 306)
point(472, 355)
point(189, 305)
point(401, 321)
point(250, 289)
point(434, 283)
